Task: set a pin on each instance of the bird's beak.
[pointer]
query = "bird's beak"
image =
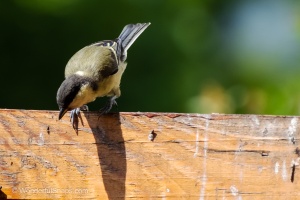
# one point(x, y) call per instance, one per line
point(62, 112)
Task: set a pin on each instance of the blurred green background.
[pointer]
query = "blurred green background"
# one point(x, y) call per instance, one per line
point(197, 56)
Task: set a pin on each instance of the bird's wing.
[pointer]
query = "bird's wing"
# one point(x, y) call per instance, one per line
point(97, 60)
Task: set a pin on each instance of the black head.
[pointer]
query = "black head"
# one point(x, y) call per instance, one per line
point(74, 92)
point(67, 92)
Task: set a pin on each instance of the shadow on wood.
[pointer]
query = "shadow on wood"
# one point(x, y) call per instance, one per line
point(2, 194)
point(111, 152)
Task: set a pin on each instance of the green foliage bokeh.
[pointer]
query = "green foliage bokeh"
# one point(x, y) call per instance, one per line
point(195, 57)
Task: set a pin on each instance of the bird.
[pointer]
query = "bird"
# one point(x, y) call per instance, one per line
point(96, 71)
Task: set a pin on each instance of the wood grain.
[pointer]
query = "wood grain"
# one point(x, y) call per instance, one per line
point(192, 156)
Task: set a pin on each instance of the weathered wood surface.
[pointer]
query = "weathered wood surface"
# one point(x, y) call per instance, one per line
point(211, 156)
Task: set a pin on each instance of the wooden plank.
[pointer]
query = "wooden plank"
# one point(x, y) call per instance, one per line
point(193, 156)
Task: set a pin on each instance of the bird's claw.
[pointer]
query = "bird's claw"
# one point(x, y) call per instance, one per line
point(84, 108)
point(75, 115)
point(108, 106)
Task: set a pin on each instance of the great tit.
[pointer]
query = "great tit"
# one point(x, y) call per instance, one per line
point(96, 71)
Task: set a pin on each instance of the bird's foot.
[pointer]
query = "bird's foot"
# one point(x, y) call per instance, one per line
point(108, 105)
point(75, 115)
point(84, 108)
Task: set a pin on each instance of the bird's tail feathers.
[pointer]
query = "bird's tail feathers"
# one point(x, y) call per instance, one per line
point(128, 35)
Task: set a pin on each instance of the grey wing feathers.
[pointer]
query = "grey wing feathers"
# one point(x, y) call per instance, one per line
point(127, 37)
point(102, 59)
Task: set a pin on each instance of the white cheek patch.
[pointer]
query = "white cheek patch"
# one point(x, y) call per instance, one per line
point(80, 73)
